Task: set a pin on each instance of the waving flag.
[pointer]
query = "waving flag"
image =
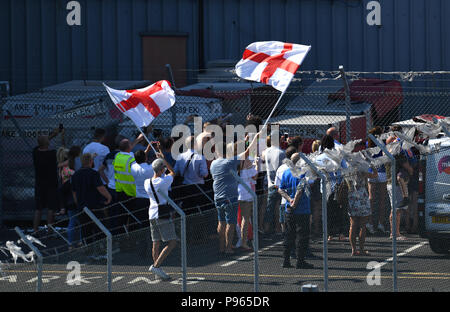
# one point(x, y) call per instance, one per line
point(271, 62)
point(142, 106)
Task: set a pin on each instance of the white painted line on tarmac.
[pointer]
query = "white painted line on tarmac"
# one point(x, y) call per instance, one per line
point(250, 255)
point(400, 254)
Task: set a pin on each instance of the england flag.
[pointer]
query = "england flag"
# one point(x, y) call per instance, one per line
point(142, 106)
point(271, 62)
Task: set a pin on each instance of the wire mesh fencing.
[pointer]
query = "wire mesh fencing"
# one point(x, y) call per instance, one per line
point(397, 105)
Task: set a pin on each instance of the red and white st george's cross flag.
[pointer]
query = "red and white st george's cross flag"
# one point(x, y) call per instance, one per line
point(271, 62)
point(142, 106)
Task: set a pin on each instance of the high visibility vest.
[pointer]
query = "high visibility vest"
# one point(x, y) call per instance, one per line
point(122, 174)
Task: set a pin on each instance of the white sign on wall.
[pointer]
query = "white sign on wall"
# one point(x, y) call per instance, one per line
point(374, 16)
point(74, 16)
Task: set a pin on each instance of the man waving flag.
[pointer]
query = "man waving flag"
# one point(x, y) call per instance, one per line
point(142, 106)
point(271, 62)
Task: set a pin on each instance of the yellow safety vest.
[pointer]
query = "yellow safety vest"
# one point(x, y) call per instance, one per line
point(122, 174)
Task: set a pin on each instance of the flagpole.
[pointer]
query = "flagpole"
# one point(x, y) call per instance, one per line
point(140, 130)
point(271, 113)
point(273, 110)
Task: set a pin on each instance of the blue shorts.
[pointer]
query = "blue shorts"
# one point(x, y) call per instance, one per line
point(282, 213)
point(227, 211)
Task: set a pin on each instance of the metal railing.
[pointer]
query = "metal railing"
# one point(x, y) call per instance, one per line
point(394, 209)
point(324, 218)
point(255, 229)
point(108, 246)
point(38, 256)
point(183, 239)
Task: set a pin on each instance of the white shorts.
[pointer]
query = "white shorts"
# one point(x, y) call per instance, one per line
point(162, 230)
point(398, 196)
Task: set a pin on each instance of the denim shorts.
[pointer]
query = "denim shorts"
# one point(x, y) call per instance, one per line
point(227, 211)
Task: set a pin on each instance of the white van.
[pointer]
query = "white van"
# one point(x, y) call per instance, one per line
point(437, 196)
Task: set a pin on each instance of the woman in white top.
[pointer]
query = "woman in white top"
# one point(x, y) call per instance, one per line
point(249, 173)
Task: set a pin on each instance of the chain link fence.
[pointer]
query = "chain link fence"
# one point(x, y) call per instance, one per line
point(314, 103)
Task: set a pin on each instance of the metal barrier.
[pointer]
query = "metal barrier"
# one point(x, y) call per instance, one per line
point(183, 238)
point(255, 229)
point(394, 209)
point(38, 255)
point(108, 245)
point(324, 218)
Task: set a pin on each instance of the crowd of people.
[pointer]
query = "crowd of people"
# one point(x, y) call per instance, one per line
point(132, 176)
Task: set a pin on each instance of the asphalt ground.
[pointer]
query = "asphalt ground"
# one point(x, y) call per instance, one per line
point(419, 269)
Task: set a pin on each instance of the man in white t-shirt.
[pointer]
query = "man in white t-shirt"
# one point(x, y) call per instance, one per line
point(141, 171)
point(291, 150)
point(161, 225)
point(273, 157)
point(96, 147)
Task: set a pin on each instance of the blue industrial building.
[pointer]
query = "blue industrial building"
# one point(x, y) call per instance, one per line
point(132, 39)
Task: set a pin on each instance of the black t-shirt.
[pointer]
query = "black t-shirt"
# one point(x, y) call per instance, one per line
point(84, 183)
point(45, 168)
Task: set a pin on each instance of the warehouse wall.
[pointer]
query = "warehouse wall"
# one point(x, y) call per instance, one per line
point(39, 49)
point(415, 34)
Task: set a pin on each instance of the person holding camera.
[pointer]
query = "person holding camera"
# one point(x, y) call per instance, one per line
point(161, 225)
point(46, 177)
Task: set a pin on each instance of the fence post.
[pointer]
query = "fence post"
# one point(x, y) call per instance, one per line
point(183, 238)
point(324, 218)
point(394, 210)
point(108, 244)
point(347, 105)
point(255, 228)
point(130, 213)
point(38, 256)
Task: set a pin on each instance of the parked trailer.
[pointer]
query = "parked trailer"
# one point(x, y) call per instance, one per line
point(314, 127)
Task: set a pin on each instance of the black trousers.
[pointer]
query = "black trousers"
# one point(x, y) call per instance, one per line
point(90, 231)
point(140, 211)
point(335, 217)
point(123, 218)
point(296, 236)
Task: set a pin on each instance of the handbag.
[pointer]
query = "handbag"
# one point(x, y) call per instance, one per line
point(163, 210)
point(342, 193)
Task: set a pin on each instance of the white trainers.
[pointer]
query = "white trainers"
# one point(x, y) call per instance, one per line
point(381, 228)
point(370, 228)
point(159, 272)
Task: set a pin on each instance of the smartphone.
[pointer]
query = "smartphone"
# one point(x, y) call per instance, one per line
point(286, 135)
point(61, 127)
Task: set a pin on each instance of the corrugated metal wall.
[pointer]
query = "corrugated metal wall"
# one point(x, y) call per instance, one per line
point(415, 34)
point(40, 49)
